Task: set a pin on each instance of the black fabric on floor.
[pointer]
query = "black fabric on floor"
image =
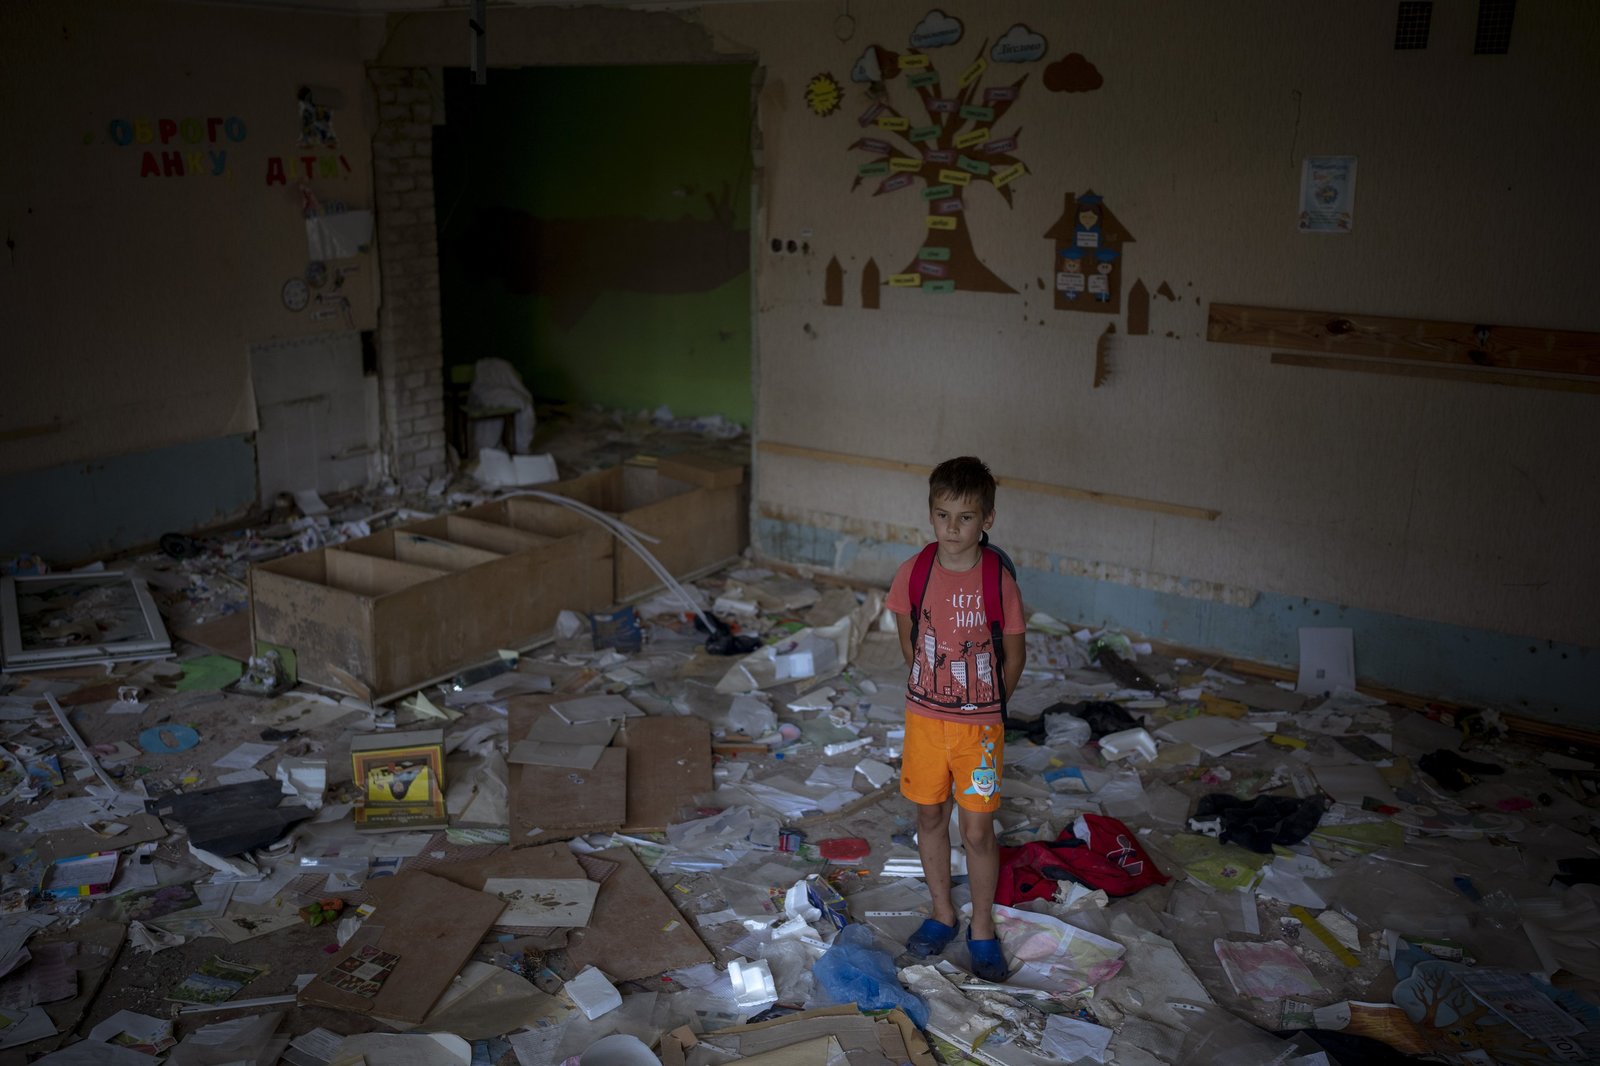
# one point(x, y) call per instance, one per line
point(1453, 771)
point(1260, 823)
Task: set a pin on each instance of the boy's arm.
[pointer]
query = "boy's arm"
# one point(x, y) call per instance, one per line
point(1016, 649)
point(903, 621)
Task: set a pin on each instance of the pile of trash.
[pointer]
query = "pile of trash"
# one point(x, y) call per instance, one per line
point(616, 847)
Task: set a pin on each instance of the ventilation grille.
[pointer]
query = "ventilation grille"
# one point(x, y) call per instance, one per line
point(1494, 27)
point(1411, 24)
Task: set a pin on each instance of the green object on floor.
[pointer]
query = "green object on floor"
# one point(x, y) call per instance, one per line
point(1224, 866)
point(209, 673)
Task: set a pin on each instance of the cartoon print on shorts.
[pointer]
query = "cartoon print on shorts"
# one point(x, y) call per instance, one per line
point(985, 778)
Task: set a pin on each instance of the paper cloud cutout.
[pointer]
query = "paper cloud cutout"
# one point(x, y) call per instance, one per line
point(935, 30)
point(1019, 45)
point(1072, 73)
point(867, 68)
point(876, 64)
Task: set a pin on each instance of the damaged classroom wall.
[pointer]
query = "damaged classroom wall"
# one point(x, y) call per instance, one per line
point(629, 288)
point(1444, 520)
point(154, 234)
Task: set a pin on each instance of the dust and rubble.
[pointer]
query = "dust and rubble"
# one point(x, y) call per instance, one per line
point(613, 846)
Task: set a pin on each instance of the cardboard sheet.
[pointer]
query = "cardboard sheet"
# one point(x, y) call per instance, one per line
point(635, 931)
point(432, 925)
point(669, 764)
point(552, 803)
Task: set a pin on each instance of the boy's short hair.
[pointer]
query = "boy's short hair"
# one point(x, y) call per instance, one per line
point(963, 478)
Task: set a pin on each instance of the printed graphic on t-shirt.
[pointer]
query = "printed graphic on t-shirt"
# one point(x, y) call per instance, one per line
point(949, 672)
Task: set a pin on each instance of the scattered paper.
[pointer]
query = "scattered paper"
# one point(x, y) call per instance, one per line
point(139, 1032)
point(245, 756)
point(1213, 735)
point(1266, 971)
point(1073, 1040)
point(1327, 661)
point(595, 709)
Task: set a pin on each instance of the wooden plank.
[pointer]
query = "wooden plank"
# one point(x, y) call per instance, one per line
point(1441, 373)
point(708, 469)
point(432, 925)
point(370, 575)
point(329, 629)
point(1460, 343)
point(558, 804)
point(410, 547)
point(475, 533)
point(635, 931)
point(669, 764)
point(1110, 499)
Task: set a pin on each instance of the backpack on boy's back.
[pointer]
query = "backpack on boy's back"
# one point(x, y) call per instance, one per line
point(991, 560)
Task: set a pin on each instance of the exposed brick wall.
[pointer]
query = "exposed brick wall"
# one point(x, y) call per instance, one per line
point(410, 345)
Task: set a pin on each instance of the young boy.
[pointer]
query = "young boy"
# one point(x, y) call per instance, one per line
point(954, 737)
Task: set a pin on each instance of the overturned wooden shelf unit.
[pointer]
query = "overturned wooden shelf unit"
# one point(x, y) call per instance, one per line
point(403, 606)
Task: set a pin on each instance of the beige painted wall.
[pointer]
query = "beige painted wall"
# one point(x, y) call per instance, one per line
point(129, 302)
point(1437, 500)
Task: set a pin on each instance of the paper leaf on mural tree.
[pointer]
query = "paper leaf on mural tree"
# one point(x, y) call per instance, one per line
point(823, 94)
point(936, 30)
point(1019, 45)
point(954, 145)
point(1088, 255)
point(1072, 73)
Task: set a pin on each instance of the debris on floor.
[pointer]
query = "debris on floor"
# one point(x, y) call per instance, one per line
point(617, 847)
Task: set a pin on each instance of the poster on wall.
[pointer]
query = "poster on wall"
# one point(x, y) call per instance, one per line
point(1327, 194)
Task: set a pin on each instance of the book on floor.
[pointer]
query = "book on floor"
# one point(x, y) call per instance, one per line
point(401, 778)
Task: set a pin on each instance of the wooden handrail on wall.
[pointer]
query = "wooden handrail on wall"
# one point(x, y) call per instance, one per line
point(1110, 499)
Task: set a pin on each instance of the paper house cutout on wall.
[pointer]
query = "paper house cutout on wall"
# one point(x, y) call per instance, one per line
point(1088, 262)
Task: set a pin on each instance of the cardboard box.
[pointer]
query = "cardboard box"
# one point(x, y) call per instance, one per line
point(405, 606)
point(698, 526)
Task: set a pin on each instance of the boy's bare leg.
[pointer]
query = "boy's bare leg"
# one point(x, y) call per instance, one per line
point(933, 844)
point(983, 869)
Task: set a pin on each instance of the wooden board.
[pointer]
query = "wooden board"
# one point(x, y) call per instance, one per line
point(477, 533)
point(669, 764)
point(228, 635)
point(411, 547)
point(1440, 373)
point(329, 629)
point(1206, 514)
point(635, 931)
point(370, 575)
point(557, 802)
point(1461, 343)
point(434, 926)
point(549, 860)
point(709, 470)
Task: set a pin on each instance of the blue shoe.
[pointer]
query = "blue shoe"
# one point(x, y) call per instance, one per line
point(931, 938)
point(988, 962)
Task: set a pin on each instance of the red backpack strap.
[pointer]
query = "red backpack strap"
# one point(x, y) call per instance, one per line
point(994, 610)
point(994, 607)
point(918, 588)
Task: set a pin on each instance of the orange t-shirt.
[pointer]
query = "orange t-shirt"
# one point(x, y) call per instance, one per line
point(953, 673)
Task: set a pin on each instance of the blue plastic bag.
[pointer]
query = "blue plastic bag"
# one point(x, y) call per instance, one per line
point(855, 970)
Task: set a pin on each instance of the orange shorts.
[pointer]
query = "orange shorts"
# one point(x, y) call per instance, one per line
point(952, 758)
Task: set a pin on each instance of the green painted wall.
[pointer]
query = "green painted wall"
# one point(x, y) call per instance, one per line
point(594, 231)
